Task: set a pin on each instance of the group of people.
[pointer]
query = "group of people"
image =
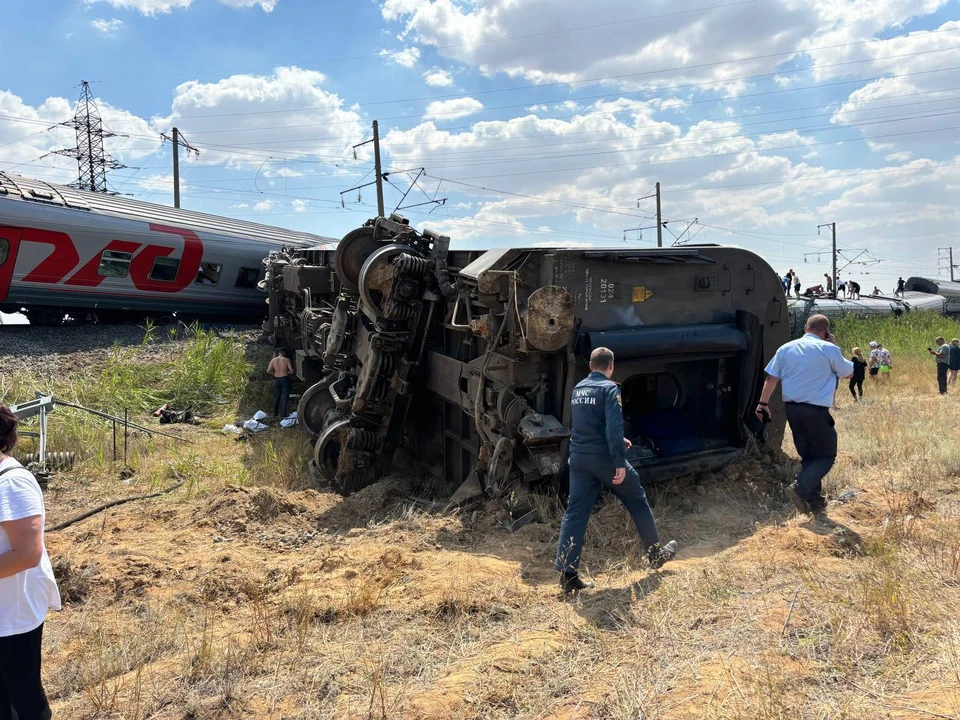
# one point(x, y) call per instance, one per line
point(879, 364)
point(849, 289)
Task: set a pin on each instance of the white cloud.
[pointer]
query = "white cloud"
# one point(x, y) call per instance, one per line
point(300, 205)
point(408, 57)
point(159, 7)
point(438, 78)
point(265, 5)
point(899, 157)
point(789, 139)
point(107, 27)
point(452, 109)
point(243, 120)
point(263, 205)
point(146, 7)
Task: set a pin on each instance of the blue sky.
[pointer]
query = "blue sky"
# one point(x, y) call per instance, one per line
point(537, 122)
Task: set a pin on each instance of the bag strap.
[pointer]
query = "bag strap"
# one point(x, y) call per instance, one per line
point(18, 466)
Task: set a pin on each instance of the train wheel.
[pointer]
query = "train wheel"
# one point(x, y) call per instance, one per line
point(314, 405)
point(352, 252)
point(326, 453)
point(44, 317)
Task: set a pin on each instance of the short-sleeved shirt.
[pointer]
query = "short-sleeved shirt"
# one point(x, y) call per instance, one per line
point(808, 369)
point(26, 596)
point(943, 355)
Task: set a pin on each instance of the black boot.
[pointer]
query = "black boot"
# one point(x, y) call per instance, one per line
point(571, 582)
point(659, 555)
point(802, 506)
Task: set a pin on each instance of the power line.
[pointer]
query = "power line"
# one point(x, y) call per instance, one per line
point(93, 161)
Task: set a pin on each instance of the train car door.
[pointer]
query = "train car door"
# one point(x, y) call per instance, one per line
point(9, 245)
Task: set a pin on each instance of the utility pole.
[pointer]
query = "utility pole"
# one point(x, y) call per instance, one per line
point(176, 168)
point(659, 220)
point(177, 139)
point(948, 258)
point(656, 194)
point(833, 254)
point(376, 168)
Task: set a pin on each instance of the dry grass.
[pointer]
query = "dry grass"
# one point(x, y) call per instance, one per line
point(248, 594)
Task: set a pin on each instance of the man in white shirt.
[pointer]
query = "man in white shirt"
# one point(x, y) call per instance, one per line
point(809, 369)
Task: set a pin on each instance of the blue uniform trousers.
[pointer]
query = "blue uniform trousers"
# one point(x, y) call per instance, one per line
point(815, 438)
point(589, 475)
point(281, 396)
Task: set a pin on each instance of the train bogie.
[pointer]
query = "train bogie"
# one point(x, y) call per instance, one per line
point(465, 360)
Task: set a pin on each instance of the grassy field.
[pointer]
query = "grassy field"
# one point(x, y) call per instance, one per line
point(247, 593)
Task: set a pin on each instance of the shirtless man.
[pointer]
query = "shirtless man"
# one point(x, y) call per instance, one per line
point(281, 369)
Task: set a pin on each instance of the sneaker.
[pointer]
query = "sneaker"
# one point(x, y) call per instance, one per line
point(802, 506)
point(572, 582)
point(658, 555)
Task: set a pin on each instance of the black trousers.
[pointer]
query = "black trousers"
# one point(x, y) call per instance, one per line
point(858, 385)
point(21, 692)
point(281, 396)
point(942, 377)
point(815, 438)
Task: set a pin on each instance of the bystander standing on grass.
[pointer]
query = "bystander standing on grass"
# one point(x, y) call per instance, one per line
point(954, 363)
point(942, 355)
point(27, 586)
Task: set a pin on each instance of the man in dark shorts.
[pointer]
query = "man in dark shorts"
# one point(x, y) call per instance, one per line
point(954, 362)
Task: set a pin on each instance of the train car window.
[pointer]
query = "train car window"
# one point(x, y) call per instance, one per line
point(209, 273)
point(114, 264)
point(165, 269)
point(247, 278)
point(4, 250)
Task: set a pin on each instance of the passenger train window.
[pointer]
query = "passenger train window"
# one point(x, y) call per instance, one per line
point(248, 277)
point(165, 269)
point(209, 273)
point(114, 264)
point(4, 250)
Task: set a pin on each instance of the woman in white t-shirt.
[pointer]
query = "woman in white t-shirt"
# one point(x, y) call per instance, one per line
point(27, 586)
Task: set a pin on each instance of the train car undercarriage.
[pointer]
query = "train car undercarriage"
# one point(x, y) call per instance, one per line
point(466, 359)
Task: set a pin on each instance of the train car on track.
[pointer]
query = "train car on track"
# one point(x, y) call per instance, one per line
point(466, 359)
point(103, 258)
point(867, 306)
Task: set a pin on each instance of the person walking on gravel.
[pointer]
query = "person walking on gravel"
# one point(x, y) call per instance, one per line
point(27, 586)
point(808, 369)
point(281, 369)
point(598, 461)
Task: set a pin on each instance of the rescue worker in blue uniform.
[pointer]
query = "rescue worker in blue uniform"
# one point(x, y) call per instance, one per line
point(598, 461)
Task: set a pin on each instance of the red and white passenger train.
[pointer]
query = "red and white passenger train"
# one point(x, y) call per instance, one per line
point(97, 257)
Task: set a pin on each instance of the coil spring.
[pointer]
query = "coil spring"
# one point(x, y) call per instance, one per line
point(393, 310)
point(364, 440)
point(55, 460)
point(412, 266)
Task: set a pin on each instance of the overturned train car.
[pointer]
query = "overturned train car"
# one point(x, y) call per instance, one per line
point(465, 360)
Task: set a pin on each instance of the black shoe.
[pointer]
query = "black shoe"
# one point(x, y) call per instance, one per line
point(802, 506)
point(658, 556)
point(571, 582)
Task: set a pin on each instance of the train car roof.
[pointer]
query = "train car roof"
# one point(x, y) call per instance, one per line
point(43, 193)
point(937, 286)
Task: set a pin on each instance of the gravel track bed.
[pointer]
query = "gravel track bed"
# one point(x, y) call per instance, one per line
point(48, 351)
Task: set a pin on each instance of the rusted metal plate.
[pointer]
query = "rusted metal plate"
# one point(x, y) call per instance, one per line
point(550, 318)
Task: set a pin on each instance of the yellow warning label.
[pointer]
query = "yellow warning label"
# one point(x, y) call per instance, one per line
point(641, 294)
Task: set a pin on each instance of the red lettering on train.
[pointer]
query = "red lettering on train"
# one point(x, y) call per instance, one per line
point(88, 275)
point(62, 258)
point(12, 236)
point(142, 263)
